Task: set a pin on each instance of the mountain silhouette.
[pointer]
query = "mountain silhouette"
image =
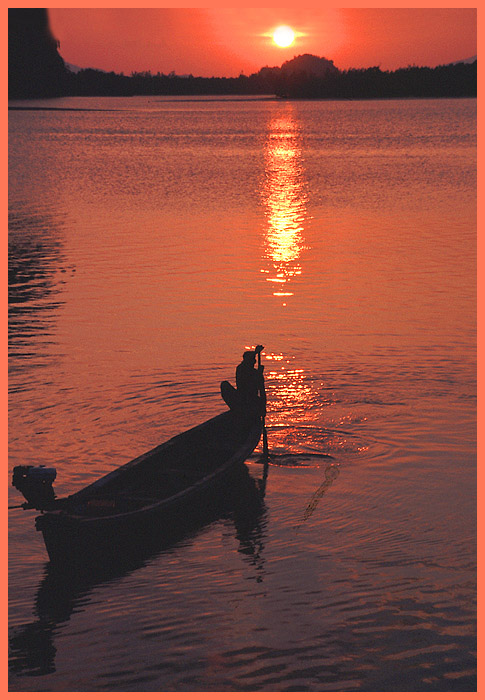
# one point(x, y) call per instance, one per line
point(472, 59)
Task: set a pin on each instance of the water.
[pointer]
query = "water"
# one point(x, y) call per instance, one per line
point(151, 240)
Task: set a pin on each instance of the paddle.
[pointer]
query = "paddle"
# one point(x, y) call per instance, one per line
point(265, 434)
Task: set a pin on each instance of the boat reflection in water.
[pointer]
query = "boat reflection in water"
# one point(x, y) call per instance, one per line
point(65, 590)
point(285, 199)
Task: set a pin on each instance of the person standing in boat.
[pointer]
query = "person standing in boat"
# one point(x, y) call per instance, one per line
point(250, 382)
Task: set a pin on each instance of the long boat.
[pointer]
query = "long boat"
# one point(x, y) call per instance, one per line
point(173, 482)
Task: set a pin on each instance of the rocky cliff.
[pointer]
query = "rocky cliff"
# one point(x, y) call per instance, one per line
point(35, 68)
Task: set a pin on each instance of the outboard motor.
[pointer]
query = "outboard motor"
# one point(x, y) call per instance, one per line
point(35, 484)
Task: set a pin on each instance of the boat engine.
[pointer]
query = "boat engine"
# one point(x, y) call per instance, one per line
point(35, 484)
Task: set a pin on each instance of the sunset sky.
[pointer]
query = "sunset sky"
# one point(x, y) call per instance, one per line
point(226, 42)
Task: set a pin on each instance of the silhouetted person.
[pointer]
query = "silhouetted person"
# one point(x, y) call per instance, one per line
point(250, 383)
point(249, 398)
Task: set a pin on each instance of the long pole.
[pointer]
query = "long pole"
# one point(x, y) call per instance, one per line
point(265, 434)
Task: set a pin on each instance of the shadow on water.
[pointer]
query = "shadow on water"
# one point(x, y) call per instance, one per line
point(65, 590)
point(36, 262)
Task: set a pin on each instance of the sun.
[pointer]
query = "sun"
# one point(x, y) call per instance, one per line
point(283, 36)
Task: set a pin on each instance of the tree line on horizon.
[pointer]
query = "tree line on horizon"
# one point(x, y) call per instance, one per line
point(458, 80)
point(36, 69)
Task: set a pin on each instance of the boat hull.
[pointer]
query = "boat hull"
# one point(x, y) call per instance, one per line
point(68, 536)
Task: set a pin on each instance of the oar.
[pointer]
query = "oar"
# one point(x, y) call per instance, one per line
point(265, 456)
point(265, 434)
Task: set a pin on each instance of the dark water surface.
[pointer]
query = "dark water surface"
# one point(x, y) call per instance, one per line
point(150, 242)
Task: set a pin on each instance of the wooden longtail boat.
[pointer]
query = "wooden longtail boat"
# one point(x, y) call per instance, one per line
point(175, 481)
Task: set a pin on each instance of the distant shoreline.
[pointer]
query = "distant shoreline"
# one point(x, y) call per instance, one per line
point(56, 109)
point(204, 98)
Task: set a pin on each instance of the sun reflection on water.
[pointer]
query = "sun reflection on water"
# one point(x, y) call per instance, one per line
point(307, 422)
point(292, 395)
point(284, 199)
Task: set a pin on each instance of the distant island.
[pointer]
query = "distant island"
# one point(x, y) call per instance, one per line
point(36, 69)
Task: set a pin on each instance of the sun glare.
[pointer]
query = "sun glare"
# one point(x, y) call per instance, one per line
point(283, 36)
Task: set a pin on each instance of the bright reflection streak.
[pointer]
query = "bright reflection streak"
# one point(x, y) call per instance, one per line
point(293, 397)
point(305, 417)
point(285, 201)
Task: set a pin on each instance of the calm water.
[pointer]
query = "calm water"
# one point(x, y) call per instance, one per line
point(151, 240)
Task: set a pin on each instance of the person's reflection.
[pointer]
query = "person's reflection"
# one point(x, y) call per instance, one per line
point(284, 199)
point(249, 517)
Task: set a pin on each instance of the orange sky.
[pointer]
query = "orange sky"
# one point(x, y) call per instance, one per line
point(226, 42)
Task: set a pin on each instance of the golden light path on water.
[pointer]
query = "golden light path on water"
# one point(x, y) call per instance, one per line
point(290, 392)
point(285, 200)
